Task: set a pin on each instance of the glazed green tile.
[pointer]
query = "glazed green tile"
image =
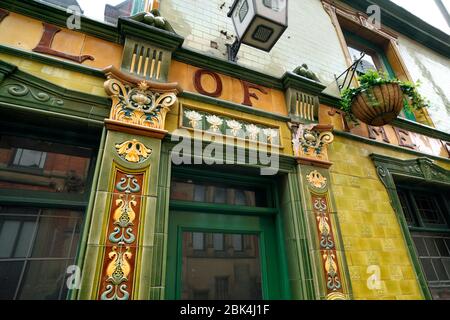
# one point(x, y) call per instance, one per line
point(162, 208)
point(89, 272)
point(156, 293)
point(99, 215)
point(159, 259)
point(297, 289)
point(143, 273)
point(293, 262)
point(289, 226)
point(148, 216)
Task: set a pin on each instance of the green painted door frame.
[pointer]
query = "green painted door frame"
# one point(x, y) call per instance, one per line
point(207, 217)
point(263, 226)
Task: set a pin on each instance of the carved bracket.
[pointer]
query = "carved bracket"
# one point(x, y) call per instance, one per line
point(310, 143)
point(138, 106)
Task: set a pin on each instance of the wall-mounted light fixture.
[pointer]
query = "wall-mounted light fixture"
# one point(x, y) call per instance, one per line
point(258, 23)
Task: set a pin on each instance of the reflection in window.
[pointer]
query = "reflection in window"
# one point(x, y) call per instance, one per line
point(368, 62)
point(29, 158)
point(36, 246)
point(221, 285)
point(237, 242)
point(425, 213)
point(218, 241)
point(428, 209)
point(198, 241)
point(61, 168)
point(219, 193)
point(403, 196)
point(213, 274)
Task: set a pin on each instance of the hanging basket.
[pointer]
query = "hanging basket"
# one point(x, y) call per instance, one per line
point(378, 105)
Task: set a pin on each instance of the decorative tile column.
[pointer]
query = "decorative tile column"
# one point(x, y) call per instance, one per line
point(118, 260)
point(328, 258)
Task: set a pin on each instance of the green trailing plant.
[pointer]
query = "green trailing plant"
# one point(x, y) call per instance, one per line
point(413, 100)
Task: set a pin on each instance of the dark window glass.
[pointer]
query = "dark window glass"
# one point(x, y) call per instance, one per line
point(10, 272)
point(222, 288)
point(29, 158)
point(425, 210)
point(198, 241)
point(37, 165)
point(219, 193)
point(442, 248)
point(36, 247)
point(429, 269)
point(218, 241)
point(228, 275)
point(406, 209)
point(431, 247)
point(427, 204)
point(237, 242)
point(440, 270)
point(420, 246)
point(44, 280)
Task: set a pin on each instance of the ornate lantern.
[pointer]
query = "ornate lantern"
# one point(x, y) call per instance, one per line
point(258, 23)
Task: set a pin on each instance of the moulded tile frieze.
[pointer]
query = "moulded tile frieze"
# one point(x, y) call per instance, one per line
point(118, 260)
point(106, 212)
point(129, 158)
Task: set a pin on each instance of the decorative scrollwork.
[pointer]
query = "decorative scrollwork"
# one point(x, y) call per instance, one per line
point(327, 244)
point(132, 184)
point(133, 150)
point(333, 280)
point(316, 179)
point(21, 90)
point(121, 238)
point(117, 272)
point(383, 174)
point(310, 141)
point(139, 104)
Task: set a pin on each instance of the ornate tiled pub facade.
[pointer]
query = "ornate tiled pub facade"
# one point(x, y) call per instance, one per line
point(147, 154)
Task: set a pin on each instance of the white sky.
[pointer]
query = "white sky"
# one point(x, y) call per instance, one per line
point(427, 10)
point(96, 8)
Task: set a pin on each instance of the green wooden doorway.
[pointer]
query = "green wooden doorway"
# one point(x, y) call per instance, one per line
point(225, 247)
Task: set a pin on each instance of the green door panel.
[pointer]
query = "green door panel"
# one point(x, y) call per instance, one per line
point(263, 226)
